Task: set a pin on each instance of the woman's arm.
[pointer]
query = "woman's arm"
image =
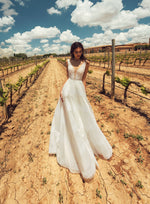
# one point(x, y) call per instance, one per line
point(85, 72)
point(67, 75)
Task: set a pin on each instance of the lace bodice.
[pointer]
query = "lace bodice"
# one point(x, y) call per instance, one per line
point(76, 74)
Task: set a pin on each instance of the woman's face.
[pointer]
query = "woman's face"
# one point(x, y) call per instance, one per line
point(77, 52)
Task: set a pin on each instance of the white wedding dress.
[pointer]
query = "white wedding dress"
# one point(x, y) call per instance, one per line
point(75, 135)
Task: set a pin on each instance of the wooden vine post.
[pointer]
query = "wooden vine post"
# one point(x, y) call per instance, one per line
point(5, 114)
point(108, 57)
point(113, 70)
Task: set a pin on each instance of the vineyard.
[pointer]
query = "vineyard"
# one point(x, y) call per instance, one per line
point(5, 70)
point(11, 91)
point(29, 175)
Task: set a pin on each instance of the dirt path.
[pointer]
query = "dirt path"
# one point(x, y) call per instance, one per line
point(30, 175)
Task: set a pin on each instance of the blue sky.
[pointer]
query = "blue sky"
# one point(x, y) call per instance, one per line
point(49, 26)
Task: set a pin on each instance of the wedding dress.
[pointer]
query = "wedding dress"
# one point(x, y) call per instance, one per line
point(75, 135)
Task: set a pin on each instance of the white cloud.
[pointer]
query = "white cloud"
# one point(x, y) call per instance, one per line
point(44, 41)
point(66, 3)
point(52, 10)
point(6, 52)
point(36, 33)
point(108, 14)
point(2, 43)
point(20, 42)
point(57, 48)
point(6, 22)
point(52, 48)
point(68, 37)
point(57, 41)
point(20, 2)
point(145, 4)
point(6, 29)
point(7, 11)
point(45, 45)
point(137, 34)
point(62, 4)
point(124, 20)
point(36, 50)
point(143, 10)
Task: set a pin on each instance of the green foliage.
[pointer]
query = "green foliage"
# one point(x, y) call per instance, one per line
point(107, 73)
point(138, 137)
point(98, 193)
point(140, 159)
point(139, 184)
point(123, 182)
point(90, 71)
point(60, 197)
point(144, 91)
point(3, 96)
point(112, 174)
point(125, 81)
point(44, 180)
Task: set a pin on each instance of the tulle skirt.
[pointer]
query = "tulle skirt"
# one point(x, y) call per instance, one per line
point(75, 135)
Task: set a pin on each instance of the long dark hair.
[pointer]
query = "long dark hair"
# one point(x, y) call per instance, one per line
point(74, 46)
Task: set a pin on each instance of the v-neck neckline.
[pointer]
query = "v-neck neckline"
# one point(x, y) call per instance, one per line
point(73, 66)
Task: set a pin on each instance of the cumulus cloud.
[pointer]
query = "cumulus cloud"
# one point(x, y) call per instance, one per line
point(36, 50)
point(45, 45)
point(44, 41)
point(6, 51)
point(124, 20)
point(137, 34)
point(20, 42)
point(57, 48)
point(66, 3)
point(68, 37)
point(143, 10)
point(62, 4)
point(36, 33)
point(108, 14)
point(6, 8)
point(5, 23)
point(52, 10)
point(2, 43)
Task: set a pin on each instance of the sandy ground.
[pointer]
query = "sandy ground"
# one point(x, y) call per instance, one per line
point(28, 174)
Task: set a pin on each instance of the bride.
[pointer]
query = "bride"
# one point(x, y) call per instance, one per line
point(75, 136)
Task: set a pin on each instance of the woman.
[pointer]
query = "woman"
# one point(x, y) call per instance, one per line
point(75, 135)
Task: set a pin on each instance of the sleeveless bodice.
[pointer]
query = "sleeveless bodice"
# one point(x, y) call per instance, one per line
point(76, 74)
